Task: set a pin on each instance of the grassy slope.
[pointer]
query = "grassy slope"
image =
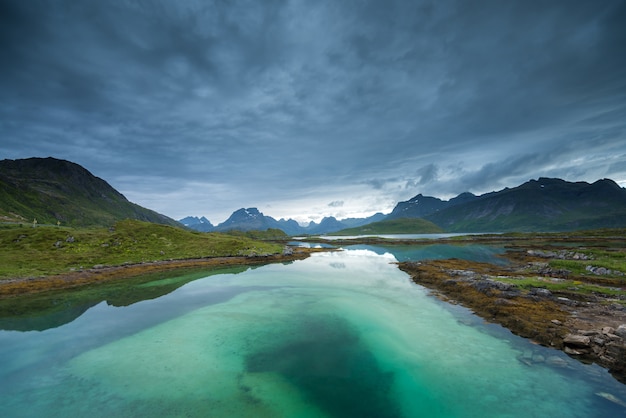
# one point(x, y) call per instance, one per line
point(393, 226)
point(53, 190)
point(45, 250)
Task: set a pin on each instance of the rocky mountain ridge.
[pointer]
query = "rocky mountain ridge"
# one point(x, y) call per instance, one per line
point(248, 219)
point(545, 204)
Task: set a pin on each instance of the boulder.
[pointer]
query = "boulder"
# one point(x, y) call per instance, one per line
point(539, 291)
point(608, 330)
point(575, 340)
point(621, 331)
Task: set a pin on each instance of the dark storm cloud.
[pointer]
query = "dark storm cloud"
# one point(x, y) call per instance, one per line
point(286, 103)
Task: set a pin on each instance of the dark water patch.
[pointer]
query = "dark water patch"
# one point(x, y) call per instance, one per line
point(325, 358)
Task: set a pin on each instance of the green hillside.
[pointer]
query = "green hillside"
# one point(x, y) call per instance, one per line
point(393, 226)
point(52, 191)
point(28, 252)
point(539, 205)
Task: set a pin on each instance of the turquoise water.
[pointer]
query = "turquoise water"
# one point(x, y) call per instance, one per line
point(340, 334)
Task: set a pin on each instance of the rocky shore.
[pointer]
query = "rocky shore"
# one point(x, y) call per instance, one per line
point(590, 327)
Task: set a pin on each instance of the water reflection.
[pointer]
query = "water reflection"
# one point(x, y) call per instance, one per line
point(338, 334)
point(56, 308)
point(472, 252)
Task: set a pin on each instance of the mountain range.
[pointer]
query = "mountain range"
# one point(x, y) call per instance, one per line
point(545, 204)
point(248, 219)
point(52, 190)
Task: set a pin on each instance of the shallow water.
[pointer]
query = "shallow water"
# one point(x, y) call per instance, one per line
point(341, 334)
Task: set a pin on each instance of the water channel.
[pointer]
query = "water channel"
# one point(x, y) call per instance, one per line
point(340, 334)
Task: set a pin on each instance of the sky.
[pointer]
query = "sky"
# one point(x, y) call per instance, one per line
point(306, 109)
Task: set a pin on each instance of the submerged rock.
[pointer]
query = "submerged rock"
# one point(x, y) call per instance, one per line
point(612, 398)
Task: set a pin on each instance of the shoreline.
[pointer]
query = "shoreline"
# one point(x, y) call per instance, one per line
point(32, 285)
point(589, 328)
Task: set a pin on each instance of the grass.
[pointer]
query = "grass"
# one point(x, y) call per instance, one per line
point(563, 286)
point(603, 248)
point(30, 252)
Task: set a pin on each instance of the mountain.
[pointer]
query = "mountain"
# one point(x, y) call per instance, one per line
point(356, 222)
point(247, 220)
point(290, 227)
point(326, 225)
point(201, 224)
point(421, 206)
point(52, 190)
point(252, 219)
point(546, 204)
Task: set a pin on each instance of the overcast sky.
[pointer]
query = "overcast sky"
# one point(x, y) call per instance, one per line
point(307, 108)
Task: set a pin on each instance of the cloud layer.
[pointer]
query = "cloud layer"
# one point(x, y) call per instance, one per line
point(200, 107)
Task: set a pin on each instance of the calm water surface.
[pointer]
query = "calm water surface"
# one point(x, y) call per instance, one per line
point(341, 334)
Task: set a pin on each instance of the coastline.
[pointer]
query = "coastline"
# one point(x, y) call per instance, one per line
point(33, 285)
point(588, 328)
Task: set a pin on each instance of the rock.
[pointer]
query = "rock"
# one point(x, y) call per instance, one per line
point(598, 341)
point(463, 273)
point(616, 351)
point(608, 330)
point(571, 351)
point(485, 286)
point(556, 361)
point(538, 358)
point(611, 398)
point(576, 340)
point(621, 331)
point(287, 251)
point(539, 291)
point(525, 361)
point(514, 293)
point(566, 301)
point(69, 239)
point(556, 322)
